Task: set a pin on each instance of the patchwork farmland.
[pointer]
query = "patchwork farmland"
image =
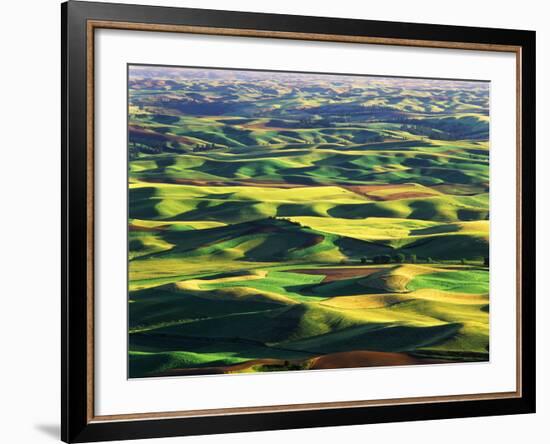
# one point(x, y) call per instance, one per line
point(282, 221)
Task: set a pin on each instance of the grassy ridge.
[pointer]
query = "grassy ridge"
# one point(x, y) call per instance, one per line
point(309, 319)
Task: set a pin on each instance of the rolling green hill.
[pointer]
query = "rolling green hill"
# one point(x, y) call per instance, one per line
point(284, 221)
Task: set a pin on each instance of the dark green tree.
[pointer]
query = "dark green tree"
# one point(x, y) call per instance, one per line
point(385, 259)
point(399, 258)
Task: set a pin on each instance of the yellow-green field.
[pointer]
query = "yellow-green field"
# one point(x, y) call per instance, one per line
point(293, 222)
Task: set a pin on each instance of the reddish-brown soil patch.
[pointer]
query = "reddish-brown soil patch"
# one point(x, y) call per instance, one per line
point(370, 188)
point(351, 359)
point(219, 183)
point(336, 274)
point(313, 240)
point(367, 190)
point(268, 183)
point(146, 133)
point(364, 358)
point(406, 195)
point(262, 126)
point(184, 140)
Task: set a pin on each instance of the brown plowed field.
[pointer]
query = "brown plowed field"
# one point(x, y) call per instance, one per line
point(363, 358)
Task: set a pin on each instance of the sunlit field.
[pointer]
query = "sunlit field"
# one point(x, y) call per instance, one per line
point(282, 221)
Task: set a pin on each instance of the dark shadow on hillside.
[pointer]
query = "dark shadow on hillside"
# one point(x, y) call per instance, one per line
point(359, 211)
point(378, 337)
point(470, 215)
point(343, 287)
point(438, 229)
point(355, 248)
point(141, 203)
point(424, 209)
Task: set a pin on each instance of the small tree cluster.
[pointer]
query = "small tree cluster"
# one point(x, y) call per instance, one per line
point(399, 258)
point(382, 259)
point(205, 147)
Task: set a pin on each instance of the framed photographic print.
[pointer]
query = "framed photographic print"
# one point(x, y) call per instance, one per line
point(275, 221)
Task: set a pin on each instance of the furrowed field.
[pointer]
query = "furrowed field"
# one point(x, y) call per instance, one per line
point(283, 221)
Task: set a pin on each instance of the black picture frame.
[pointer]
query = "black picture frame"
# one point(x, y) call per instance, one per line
point(77, 425)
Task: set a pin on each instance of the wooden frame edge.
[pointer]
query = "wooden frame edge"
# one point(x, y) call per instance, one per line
point(285, 408)
point(337, 38)
point(78, 423)
point(92, 25)
point(90, 206)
